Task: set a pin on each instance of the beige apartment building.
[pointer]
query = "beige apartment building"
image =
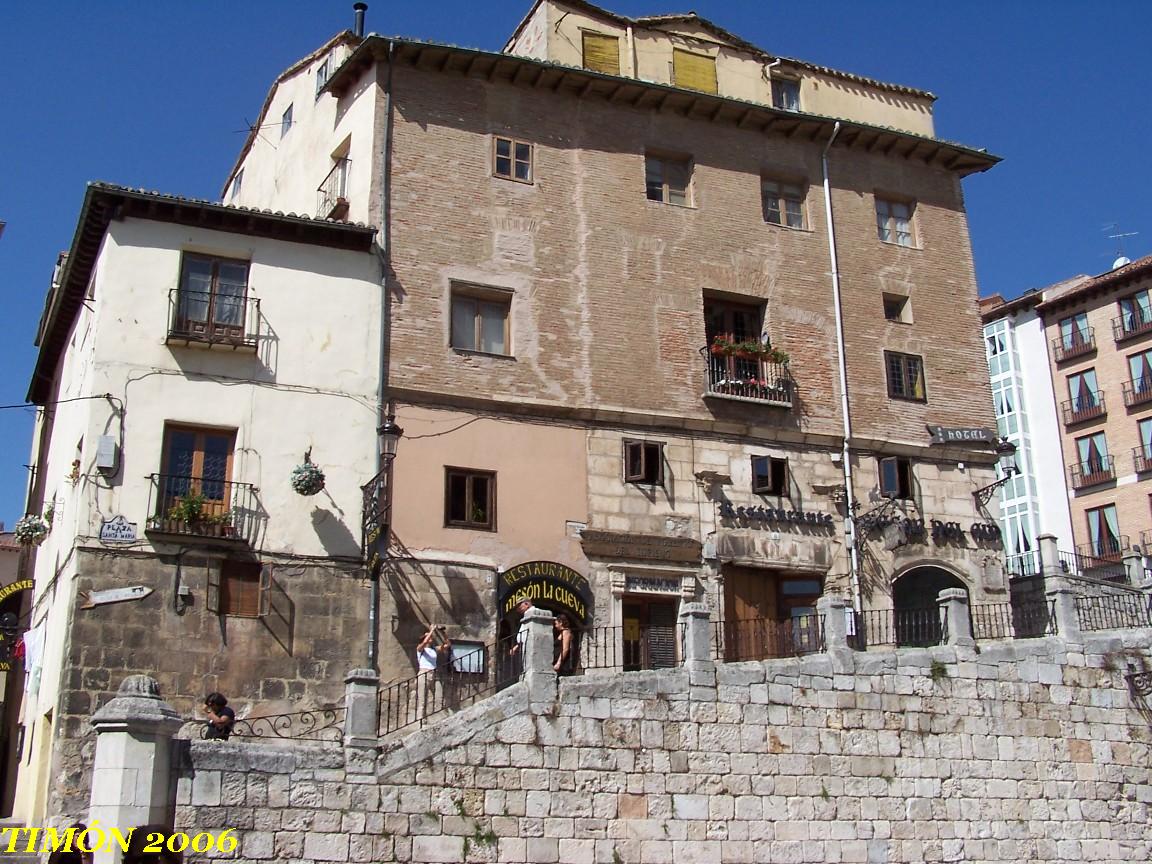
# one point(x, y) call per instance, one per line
point(1099, 332)
point(665, 310)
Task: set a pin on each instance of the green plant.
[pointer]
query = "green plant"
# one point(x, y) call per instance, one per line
point(467, 846)
point(938, 671)
point(616, 859)
point(484, 838)
point(824, 792)
point(188, 509)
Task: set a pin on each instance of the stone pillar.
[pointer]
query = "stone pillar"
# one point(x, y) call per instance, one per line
point(1049, 554)
point(695, 631)
point(1134, 567)
point(1062, 595)
point(954, 614)
point(130, 774)
point(537, 650)
point(834, 609)
point(361, 715)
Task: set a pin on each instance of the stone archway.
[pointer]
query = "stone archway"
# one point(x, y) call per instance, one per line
point(914, 604)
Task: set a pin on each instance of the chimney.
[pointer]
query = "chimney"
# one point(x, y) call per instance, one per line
point(359, 9)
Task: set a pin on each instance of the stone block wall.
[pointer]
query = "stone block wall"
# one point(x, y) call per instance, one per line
point(1029, 750)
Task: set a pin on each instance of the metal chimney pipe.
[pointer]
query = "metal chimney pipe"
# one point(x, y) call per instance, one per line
point(358, 26)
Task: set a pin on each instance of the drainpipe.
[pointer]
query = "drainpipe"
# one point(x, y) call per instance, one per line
point(845, 455)
point(631, 40)
point(383, 252)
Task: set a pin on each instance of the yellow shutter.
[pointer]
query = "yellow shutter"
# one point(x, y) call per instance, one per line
point(694, 71)
point(602, 53)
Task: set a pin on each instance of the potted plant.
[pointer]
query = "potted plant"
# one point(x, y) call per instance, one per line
point(307, 478)
point(30, 530)
point(748, 349)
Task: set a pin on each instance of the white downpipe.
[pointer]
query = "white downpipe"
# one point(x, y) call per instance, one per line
point(845, 456)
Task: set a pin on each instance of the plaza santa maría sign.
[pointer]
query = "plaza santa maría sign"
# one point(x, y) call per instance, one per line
point(548, 585)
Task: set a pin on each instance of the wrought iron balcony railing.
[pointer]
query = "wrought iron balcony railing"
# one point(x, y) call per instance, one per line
point(213, 319)
point(1083, 408)
point(1131, 324)
point(1076, 344)
point(332, 194)
point(1137, 392)
point(1105, 549)
point(1142, 458)
point(202, 507)
point(1092, 473)
point(748, 378)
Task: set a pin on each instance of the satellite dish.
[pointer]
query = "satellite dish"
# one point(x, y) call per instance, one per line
point(1121, 261)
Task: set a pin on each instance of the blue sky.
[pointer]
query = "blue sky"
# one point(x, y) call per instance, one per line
point(158, 95)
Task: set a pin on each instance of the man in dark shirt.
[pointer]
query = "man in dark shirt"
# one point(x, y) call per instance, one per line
point(221, 718)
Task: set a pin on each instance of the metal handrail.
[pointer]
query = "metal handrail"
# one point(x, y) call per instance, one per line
point(332, 193)
point(1092, 472)
point(745, 639)
point(748, 378)
point(1081, 409)
point(228, 510)
point(213, 318)
point(1082, 341)
point(1131, 324)
point(921, 627)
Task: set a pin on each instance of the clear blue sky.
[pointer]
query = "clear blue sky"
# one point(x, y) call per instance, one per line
point(158, 94)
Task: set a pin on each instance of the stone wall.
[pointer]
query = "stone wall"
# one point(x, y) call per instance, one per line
point(1029, 750)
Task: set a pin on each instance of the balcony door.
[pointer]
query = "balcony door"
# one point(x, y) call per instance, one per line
point(649, 635)
point(213, 292)
point(196, 462)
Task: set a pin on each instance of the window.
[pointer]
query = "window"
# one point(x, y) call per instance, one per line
point(242, 589)
point(1083, 391)
point(1135, 313)
point(894, 221)
point(694, 71)
point(1140, 368)
point(1074, 330)
point(212, 298)
point(469, 657)
point(783, 203)
point(769, 475)
point(480, 319)
point(905, 376)
point(896, 477)
point(237, 182)
point(601, 53)
point(322, 72)
point(786, 94)
point(286, 121)
point(667, 180)
point(1092, 451)
point(196, 465)
point(644, 462)
point(1104, 531)
point(513, 160)
point(470, 499)
point(1144, 451)
point(738, 321)
point(897, 308)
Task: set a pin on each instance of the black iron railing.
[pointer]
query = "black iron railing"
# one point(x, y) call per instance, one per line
point(213, 318)
point(202, 507)
point(748, 378)
point(1114, 611)
point(469, 676)
point(902, 628)
point(1083, 408)
point(1141, 462)
point(1131, 324)
point(1137, 392)
point(767, 638)
point(1019, 620)
point(1023, 563)
point(1092, 473)
point(1081, 341)
point(332, 193)
point(630, 648)
point(1100, 560)
point(321, 724)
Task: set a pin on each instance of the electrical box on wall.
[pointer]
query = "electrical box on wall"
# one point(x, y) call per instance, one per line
point(107, 454)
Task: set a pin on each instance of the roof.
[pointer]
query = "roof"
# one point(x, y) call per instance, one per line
point(720, 33)
point(346, 37)
point(996, 307)
point(1089, 287)
point(104, 202)
point(619, 90)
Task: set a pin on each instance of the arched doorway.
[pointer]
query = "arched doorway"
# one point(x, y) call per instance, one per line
point(915, 607)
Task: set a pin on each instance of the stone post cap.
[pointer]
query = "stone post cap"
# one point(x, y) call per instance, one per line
point(694, 610)
point(137, 706)
point(1131, 553)
point(362, 676)
point(1046, 536)
point(544, 616)
point(1057, 585)
point(949, 594)
point(832, 601)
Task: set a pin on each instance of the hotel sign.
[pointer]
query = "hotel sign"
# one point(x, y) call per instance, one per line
point(972, 435)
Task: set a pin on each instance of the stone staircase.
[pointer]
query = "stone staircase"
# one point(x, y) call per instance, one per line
point(16, 857)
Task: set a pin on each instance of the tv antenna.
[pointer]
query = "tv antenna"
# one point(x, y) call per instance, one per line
point(1121, 258)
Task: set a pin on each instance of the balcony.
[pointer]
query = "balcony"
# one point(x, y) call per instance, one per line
point(213, 510)
point(1092, 555)
point(1075, 344)
point(1092, 473)
point(1131, 324)
point(1083, 408)
point(213, 320)
point(1146, 541)
point(748, 379)
point(332, 194)
point(1137, 392)
point(1142, 458)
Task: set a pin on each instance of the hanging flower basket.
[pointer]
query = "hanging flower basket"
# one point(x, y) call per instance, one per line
point(30, 530)
point(307, 478)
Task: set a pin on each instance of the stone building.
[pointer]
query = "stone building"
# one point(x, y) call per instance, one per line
point(682, 317)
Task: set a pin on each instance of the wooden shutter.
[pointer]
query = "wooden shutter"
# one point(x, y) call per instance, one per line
point(602, 53)
point(240, 588)
point(661, 635)
point(694, 71)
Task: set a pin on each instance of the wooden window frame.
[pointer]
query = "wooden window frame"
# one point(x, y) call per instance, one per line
point(905, 479)
point(888, 202)
point(469, 475)
point(780, 195)
point(594, 34)
point(779, 84)
point(196, 479)
point(907, 368)
point(479, 294)
point(778, 478)
point(513, 160)
point(250, 602)
point(664, 160)
point(209, 328)
point(643, 462)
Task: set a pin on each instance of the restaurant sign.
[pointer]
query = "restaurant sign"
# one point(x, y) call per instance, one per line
point(972, 435)
point(548, 585)
point(776, 516)
point(8, 643)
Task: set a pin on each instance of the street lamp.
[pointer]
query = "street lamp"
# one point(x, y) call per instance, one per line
point(1005, 456)
point(377, 524)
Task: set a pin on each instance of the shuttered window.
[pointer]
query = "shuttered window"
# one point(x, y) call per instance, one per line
point(602, 53)
point(694, 71)
point(661, 636)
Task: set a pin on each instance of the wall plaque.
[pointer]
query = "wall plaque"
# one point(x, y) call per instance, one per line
point(962, 435)
point(651, 585)
point(649, 547)
point(118, 530)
